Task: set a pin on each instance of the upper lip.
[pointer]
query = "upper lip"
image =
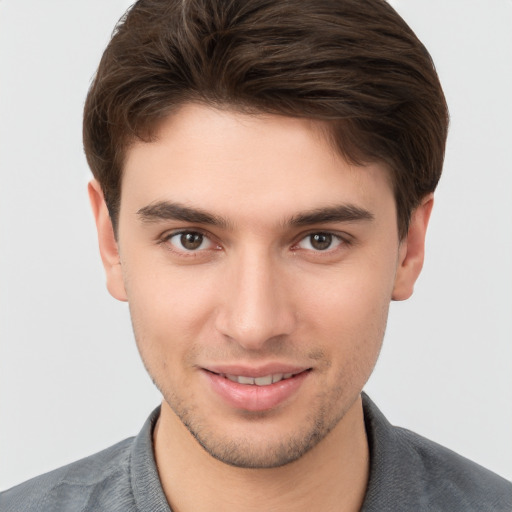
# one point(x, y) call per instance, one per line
point(255, 371)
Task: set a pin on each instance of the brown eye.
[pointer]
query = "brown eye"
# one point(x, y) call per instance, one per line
point(320, 241)
point(189, 241)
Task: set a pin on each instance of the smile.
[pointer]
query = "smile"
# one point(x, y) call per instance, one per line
point(255, 390)
point(266, 380)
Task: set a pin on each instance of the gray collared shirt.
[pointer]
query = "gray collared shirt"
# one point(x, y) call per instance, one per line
point(407, 473)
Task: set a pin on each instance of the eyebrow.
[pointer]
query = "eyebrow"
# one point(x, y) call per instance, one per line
point(165, 210)
point(341, 213)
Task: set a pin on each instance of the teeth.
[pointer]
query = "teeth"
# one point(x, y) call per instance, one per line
point(259, 381)
point(263, 381)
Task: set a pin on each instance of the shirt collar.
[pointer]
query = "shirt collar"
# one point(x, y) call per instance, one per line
point(388, 482)
point(146, 486)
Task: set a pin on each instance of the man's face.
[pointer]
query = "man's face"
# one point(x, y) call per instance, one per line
point(250, 251)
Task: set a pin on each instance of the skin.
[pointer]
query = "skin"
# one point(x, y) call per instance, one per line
point(257, 289)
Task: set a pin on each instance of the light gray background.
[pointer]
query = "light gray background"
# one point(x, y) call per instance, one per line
point(70, 378)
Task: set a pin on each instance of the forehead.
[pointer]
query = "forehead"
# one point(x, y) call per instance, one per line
point(230, 162)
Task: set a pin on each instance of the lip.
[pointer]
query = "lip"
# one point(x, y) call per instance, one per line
point(255, 398)
point(255, 371)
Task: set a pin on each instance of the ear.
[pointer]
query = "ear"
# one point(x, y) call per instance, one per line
point(107, 242)
point(412, 251)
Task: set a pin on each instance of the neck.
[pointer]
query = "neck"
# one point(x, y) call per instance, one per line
point(331, 476)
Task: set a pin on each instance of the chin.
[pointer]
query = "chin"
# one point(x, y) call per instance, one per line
point(260, 447)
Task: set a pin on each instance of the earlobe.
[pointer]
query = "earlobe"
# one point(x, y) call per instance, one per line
point(108, 246)
point(412, 251)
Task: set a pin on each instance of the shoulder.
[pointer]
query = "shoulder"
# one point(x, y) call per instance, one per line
point(98, 478)
point(450, 480)
point(410, 472)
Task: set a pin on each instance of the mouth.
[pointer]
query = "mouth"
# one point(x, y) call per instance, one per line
point(265, 380)
point(256, 390)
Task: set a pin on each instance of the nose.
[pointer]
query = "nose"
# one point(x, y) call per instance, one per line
point(256, 304)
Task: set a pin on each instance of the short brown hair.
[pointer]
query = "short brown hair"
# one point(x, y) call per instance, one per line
point(352, 63)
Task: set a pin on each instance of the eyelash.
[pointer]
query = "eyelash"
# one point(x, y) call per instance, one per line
point(337, 239)
point(166, 240)
point(340, 240)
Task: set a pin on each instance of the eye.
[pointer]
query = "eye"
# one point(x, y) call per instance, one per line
point(190, 241)
point(320, 241)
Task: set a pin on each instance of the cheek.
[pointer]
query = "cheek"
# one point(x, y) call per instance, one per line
point(355, 325)
point(170, 312)
point(353, 295)
point(350, 313)
point(355, 340)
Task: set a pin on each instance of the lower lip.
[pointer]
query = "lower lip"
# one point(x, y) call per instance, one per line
point(251, 397)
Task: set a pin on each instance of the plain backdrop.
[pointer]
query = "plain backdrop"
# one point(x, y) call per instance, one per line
point(71, 382)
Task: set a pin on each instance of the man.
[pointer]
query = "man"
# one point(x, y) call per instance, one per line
point(264, 175)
